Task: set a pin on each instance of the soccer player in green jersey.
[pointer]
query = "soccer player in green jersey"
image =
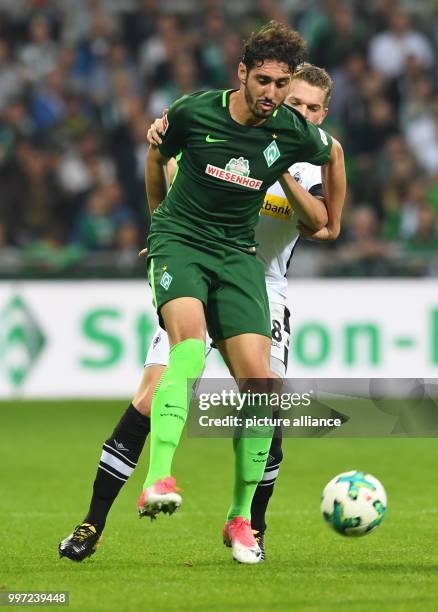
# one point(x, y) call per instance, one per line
point(202, 266)
point(309, 93)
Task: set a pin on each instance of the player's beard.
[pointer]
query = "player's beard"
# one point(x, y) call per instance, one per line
point(252, 105)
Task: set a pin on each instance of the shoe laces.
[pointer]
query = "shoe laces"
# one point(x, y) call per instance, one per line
point(84, 531)
point(258, 535)
point(242, 531)
point(260, 539)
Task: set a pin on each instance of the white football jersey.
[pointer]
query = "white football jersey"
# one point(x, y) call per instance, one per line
point(276, 231)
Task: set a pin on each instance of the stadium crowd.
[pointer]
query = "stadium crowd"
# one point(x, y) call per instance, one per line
point(80, 81)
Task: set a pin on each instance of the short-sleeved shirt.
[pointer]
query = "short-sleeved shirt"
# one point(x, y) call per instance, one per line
point(225, 168)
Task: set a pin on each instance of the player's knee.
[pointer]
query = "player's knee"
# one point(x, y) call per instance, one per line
point(143, 398)
point(188, 358)
point(260, 381)
point(262, 372)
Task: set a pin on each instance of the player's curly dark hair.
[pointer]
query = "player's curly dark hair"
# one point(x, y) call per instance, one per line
point(275, 41)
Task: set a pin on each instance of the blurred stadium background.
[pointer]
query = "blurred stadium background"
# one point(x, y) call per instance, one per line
point(80, 81)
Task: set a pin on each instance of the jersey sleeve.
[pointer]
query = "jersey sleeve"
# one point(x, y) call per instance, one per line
point(317, 145)
point(312, 178)
point(175, 128)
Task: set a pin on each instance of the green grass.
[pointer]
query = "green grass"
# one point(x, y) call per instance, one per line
point(49, 452)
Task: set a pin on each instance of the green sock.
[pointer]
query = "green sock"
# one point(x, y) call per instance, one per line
point(250, 455)
point(170, 405)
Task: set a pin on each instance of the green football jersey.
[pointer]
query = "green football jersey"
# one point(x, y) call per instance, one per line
point(225, 168)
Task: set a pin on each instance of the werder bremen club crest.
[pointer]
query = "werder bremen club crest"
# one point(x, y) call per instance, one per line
point(21, 341)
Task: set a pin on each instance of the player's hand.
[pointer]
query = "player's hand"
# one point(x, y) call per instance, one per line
point(325, 234)
point(143, 253)
point(153, 135)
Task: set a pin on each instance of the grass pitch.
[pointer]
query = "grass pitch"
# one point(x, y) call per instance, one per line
point(49, 453)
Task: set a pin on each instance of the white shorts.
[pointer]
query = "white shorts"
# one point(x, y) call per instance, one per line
point(280, 331)
point(158, 353)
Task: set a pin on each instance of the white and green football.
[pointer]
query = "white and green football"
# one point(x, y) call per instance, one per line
point(353, 503)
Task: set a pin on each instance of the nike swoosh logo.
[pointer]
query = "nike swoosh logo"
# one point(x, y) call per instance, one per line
point(173, 406)
point(208, 138)
point(261, 454)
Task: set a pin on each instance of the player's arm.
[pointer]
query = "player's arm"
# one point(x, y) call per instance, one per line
point(154, 139)
point(170, 171)
point(173, 128)
point(320, 149)
point(335, 186)
point(160, 168)
point(310, 209)
point(155, 177)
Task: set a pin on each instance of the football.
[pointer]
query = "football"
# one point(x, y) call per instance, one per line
point(354, 503)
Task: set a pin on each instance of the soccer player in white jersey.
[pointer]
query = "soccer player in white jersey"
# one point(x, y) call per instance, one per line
point(277, 233)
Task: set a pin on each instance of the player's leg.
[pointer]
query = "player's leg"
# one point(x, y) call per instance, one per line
point(184, 320)
point(248, 357)
point(239, 322)
point(280, 324)
point(265, 489)
point(121, 451)
point(179, 280)
point(120, 454)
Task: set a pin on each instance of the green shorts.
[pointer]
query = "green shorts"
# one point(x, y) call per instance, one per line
point(229, 282)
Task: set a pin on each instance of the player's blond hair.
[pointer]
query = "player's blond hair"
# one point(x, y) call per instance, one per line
point(316, 76)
